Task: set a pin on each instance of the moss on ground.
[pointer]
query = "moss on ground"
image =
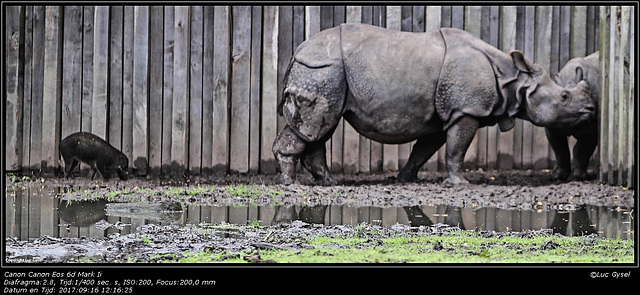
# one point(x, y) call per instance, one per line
point(453, 247)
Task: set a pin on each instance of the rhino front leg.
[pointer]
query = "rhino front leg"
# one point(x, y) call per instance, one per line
point(424, 148)
point(459, 137)
point(582, 151)
point(287, 149)
point(560, 145)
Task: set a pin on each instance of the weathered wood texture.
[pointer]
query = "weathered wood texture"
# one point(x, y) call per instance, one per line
point(193, 90)
point(618, 101)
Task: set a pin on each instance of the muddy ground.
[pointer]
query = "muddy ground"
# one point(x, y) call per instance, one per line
point(510, 189)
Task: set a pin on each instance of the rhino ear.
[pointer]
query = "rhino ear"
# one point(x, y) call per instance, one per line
point(579, 74)
point(520, 62)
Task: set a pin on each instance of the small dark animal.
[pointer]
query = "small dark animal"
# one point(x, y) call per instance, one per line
point(95, 152)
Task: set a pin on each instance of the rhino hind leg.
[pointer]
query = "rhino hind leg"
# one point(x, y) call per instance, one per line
point(424, 148)
point(314, 160)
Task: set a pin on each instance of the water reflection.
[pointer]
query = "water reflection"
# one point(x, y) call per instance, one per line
point(32, 212)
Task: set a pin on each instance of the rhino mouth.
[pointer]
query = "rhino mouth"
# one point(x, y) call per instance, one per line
point(588, 110)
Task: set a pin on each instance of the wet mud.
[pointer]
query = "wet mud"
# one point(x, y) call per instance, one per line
point(524, 190)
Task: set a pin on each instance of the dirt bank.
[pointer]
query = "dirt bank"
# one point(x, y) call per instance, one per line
point(507, 189)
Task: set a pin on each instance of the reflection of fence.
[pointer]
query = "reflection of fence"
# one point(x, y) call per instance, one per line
point(196, 88)
point(34, 212)
point(617, 74)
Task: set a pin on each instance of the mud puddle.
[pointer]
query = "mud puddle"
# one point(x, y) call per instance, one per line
point(56, 220)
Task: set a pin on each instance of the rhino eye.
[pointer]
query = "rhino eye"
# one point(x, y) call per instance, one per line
point(565, 96)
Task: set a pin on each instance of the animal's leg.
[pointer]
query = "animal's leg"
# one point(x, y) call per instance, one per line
point(314, 160)
point(103, 171)
point(92, 172)
point(459, 137)
point(560, 146)
point(424, 148)
point(70, 163)
point(582, 151)
point(287, 149)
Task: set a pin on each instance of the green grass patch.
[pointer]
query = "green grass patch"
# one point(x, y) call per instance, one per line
point(453, 247)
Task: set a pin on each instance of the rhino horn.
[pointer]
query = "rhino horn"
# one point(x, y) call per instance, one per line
point(557, 79)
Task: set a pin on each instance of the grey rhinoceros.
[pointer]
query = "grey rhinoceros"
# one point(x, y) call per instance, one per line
point(395, 87)
point(586, 132)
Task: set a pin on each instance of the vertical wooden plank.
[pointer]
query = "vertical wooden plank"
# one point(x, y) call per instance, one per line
point(26, 94)
point(37, 88)
point(299, 31)
point(167, 89)
point(87, 68)
point(285, 44)
point(529, 51)
point(221, 70)
point(312, 21)
point(578, 31)
point(269, 115)
point(418, 22)
point(115, 76)
point(240, 89)
point(127, 92)
point(351, 154)
point(631, 101)
point(457, 17)
point(207, 91)
point(140, 90)
point(623, 86)
point(604, 93)
point(541, 56)
point(612, 117)
point(254, 107)
point(195, 90)
point(52, 91)
point(390, 151)
point(507, 43)
point(71, 77)
point(100, 74)
point(14, 86)
point(565, 35)
point(180, 108)
point(555, 41)
point(591, 45)
point(156, 30)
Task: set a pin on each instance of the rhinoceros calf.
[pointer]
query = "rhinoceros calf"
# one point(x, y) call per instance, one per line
point(576, 70)
point(395, 87)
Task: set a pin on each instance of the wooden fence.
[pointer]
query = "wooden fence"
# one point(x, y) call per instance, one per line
point(617, 77)
point(194, 89)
